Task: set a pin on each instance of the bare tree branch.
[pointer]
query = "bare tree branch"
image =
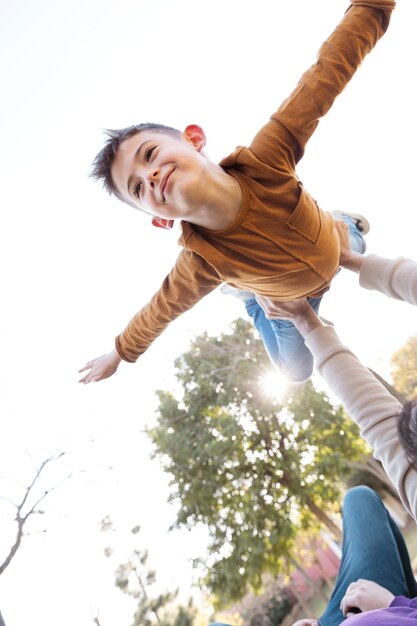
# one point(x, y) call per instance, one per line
point(22, 517)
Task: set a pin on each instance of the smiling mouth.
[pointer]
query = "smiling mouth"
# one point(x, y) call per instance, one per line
point(164, 185)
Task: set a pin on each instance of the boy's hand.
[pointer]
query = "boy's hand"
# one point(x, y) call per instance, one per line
point(102, 367)
point(366, 596)
point(306, 622)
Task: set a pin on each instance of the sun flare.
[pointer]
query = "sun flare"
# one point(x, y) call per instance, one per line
point(274, 384)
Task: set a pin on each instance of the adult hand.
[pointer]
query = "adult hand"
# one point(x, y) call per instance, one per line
point(306, 622)
point(275, 309)
point(348, 259)
point(299, 312)
point(102, 367)
point(366, 596)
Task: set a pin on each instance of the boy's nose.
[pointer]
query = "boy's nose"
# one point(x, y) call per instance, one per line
point(153, 176)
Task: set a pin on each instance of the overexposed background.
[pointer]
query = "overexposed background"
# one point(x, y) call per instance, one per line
point(76, 264)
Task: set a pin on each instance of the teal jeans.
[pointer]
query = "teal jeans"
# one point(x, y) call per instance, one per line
point(373, 549)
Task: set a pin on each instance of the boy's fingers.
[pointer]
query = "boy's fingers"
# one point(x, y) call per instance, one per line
point(87, 366)
point(86, 379)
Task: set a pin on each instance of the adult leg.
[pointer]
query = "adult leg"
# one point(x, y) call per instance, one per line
point(372, 549)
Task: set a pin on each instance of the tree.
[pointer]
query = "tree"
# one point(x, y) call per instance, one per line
point(268, 609)
point(29, 505)
point(404, 368)
point(136, 579)
point(252, 468)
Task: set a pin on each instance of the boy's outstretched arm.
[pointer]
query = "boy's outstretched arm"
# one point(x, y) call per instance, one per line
point(190, 279)
point(338, 59)
point(102, 367)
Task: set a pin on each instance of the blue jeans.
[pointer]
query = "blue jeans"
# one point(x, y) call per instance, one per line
point(373, 548)
point(283, 343)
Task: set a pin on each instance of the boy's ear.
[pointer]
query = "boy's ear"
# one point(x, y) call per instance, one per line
point(196, 135)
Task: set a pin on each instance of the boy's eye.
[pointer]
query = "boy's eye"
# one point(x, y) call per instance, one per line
point(148, 153)
point(137, 188)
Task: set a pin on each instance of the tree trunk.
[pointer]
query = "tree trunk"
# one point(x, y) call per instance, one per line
point(324, 519)
point(326, 578)
point(13, 549)
point(313, 585)
point(300, 600)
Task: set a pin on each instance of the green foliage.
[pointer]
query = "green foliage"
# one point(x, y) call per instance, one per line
point(404, 368)
point(244, 463)
point(137, 580)
point(184, 617)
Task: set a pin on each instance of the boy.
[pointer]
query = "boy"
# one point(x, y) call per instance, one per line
point(247, 221)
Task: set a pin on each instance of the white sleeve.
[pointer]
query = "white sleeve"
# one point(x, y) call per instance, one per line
point(369, 404)
point(397, 278)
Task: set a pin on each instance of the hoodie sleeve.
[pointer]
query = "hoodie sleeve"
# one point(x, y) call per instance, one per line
point(396, 278)
point(369, 404)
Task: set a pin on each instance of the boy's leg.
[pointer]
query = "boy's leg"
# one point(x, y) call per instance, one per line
point(283, 343)
point(294, 359)
point(261, 323)
point(373, 549)
point(264, 328)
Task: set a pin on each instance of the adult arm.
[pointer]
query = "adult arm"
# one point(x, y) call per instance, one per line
point(365, 399)
point(396, 278)
point(403, 601)
point(369, 404)
point(338, 59)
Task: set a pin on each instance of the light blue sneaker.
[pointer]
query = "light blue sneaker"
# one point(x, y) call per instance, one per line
point(362, 223)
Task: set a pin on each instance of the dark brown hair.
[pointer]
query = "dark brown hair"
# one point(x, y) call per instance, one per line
point(104, 160)
point(407, 431)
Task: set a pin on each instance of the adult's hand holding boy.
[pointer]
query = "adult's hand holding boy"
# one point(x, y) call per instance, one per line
point(298, 311)
point(102, 367)
point(365, 595)
point(348, 258)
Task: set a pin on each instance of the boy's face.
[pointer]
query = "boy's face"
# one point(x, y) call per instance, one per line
point(161, 173)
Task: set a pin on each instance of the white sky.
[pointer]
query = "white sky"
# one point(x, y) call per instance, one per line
point(77, 264)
